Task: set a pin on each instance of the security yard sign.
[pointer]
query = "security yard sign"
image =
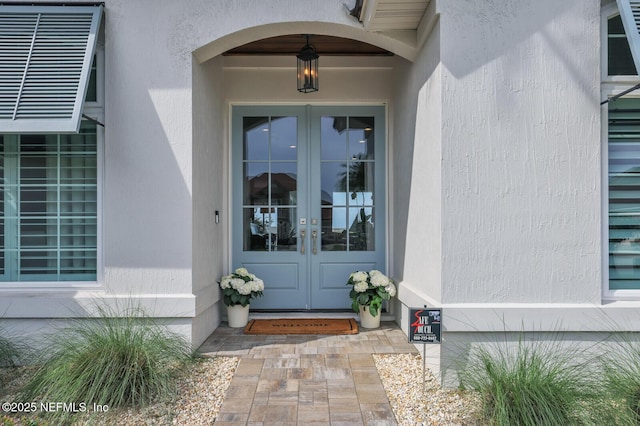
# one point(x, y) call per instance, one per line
point(425, 325)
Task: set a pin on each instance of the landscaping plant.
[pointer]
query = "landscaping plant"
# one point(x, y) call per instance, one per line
point(622, 380)
point(533, 383)
point(370, 289)
point(117, 360)
point(10, 352)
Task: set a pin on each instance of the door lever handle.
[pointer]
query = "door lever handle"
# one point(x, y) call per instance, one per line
point(303, 234)
point(314, 240)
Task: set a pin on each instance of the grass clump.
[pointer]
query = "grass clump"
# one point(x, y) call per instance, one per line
point(622, 381)
point(531, 384)
point(117, 361)
point(9, 352)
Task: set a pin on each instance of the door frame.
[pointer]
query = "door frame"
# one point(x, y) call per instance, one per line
point(385, 213)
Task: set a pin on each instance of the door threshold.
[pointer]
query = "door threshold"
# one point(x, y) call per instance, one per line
point(313, 313)
point(302, 313)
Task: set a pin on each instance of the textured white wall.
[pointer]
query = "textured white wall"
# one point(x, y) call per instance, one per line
point(417, 172)
point(210, 182)
point(521, 151)
point(148, 153)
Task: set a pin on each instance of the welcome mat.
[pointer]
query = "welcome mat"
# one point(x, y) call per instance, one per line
point(302, 326)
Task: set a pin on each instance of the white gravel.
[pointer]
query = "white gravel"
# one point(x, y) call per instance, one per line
point(202, 389)
point(413, 404)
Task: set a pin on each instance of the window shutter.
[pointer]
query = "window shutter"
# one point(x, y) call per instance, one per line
point(45, 62)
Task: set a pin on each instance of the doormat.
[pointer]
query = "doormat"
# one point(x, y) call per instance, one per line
point(302, 326)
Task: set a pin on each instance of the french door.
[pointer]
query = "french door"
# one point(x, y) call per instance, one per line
point(308, 200)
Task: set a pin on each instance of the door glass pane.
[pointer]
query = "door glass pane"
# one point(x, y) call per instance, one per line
point(333, 180)
point(361, 140)
point(361, 236)
point(256, 183)
point(334, 229)
point(269, 229)
point(333, 138)
point(284, 139)
point(283, 184)
point(256, 138)
point(361, 180)
point(255, 235)
point(283, 229)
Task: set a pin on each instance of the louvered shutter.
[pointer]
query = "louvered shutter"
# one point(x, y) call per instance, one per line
point(45, 62)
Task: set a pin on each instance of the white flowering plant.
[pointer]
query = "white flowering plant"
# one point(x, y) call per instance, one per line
point(370, 289)
point(239, 287)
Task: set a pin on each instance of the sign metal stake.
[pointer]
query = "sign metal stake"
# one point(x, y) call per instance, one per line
point(425, 327)
point(424, 368)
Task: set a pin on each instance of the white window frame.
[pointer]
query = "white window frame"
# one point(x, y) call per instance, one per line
point(609, 86)
point(95, 110)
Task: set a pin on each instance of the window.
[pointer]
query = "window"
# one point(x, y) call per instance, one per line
point(630, 17)
point(621, 130)
point(624, 194)
point(48, 206)
point(51, 68)
point(619, 59)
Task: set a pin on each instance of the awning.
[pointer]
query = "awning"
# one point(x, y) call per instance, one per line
point(45, 61)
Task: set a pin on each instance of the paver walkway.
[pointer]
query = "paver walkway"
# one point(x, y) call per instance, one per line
point(307, 379)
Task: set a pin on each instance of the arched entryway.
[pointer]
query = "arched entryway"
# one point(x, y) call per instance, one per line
point(308, 185)
point(344, 229)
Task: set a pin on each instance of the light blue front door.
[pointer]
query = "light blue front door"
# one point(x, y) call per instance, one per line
point(308, 200)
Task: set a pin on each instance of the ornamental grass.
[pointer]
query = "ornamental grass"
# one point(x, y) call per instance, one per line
point(536, 383)
point(622, 380)
point(117, 360)
point(10, 352)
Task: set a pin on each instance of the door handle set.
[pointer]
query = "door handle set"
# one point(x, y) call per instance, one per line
point(314, 241)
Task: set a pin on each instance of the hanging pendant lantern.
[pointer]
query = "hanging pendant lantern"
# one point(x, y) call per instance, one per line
point(307, 69)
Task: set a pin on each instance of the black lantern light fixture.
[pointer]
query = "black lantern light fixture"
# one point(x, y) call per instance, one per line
point(307, 69)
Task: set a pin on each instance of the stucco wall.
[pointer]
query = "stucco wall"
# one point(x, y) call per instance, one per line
point(521, 151)
point(209, 194)
point(148, 153)
point(416, 194)
point(519, 155)
point(417, 173)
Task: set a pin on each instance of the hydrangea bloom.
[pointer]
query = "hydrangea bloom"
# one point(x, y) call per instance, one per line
point(391, 289)
point(370, 289)
point(379, 280)
point(242, 272)
point(359, 276)
point(240, 287)
point(360, 286)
